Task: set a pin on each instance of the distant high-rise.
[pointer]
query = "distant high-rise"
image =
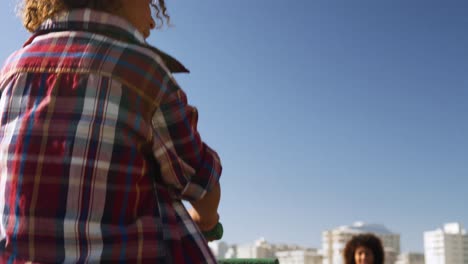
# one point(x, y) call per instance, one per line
point(447, 245)
point(334, 241)
point(410, 258)
point(299, 256)
point(285, 253)
point(260, 249)
point(219, 249)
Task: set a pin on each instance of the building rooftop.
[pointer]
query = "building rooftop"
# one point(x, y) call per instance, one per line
point(360, 227)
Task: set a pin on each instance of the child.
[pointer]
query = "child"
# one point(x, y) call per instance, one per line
point(98, 145)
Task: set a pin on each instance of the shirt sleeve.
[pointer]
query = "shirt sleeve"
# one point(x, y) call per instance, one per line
point(188, 165)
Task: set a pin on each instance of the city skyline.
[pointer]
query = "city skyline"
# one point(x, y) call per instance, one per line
point(374, 228)
point(324, 113)
point(446, 244)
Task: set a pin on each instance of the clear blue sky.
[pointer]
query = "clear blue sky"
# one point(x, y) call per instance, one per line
point(325, 112)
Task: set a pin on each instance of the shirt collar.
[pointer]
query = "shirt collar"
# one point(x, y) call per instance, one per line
point(105, 24)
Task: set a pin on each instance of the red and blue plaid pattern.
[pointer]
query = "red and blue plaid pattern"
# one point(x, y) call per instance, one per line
point(98, 146)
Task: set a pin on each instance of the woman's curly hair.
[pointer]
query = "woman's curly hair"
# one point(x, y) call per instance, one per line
point(34, 12)
point(369, 241)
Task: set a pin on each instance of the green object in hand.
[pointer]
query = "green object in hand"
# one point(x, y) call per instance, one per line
point(214, 234)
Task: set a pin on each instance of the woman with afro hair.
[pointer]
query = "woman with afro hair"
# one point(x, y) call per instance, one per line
point(98, 144)
point(364, 249)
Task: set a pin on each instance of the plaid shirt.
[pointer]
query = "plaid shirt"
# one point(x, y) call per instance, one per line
point(98, 147)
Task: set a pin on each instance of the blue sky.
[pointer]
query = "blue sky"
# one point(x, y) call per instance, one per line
point(325, 112)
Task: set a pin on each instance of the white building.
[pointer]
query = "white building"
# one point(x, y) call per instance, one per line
point(447, 245)
point(260, 249)
point(410, 258)
point(219, 249)
point(334, 241)
point(231, 252)
point(299, 256)
point(285, 253)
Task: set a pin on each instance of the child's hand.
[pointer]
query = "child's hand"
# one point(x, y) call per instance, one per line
point(204, 212)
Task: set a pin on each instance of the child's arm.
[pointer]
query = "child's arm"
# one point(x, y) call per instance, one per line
point(204, 212)
point(188, 166)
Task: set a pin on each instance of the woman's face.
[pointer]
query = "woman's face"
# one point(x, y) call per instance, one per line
point(138, 13)
point(363, 255)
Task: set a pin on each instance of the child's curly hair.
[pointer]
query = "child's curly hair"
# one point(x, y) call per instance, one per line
point(34, 12)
